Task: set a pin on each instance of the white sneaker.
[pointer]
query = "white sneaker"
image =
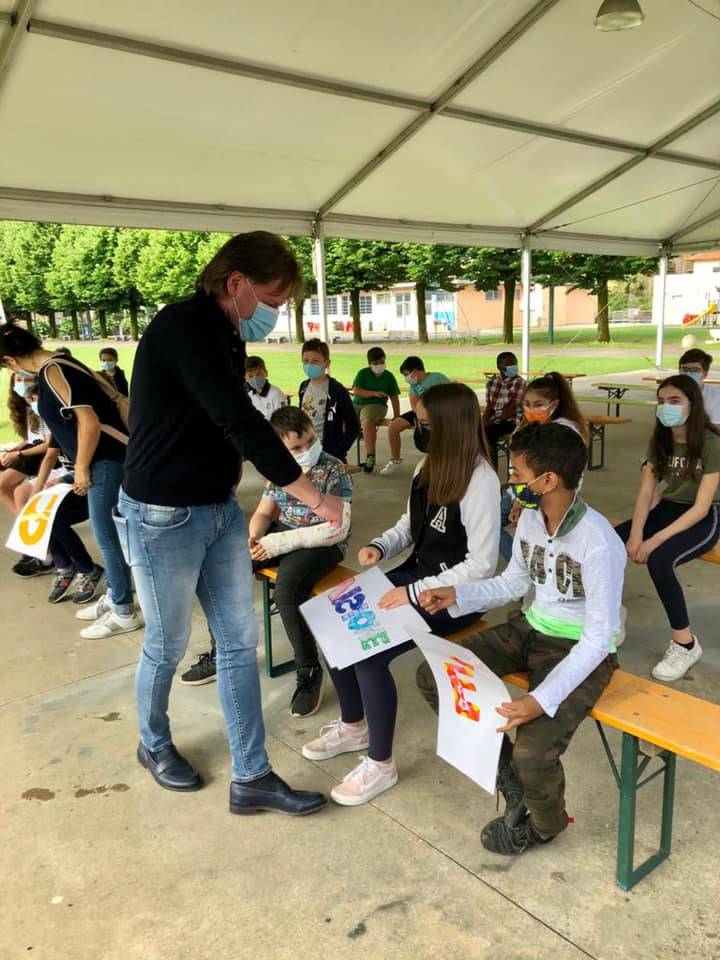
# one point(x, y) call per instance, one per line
point(390, 467)
point(94, 610)
point(677, 661)
point(336, 738)
point(365, 782)
point(110, 624)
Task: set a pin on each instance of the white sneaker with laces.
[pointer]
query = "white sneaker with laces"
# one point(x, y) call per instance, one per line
point(94, 610)
point(365, 782)
point(110, 624)
point(336, 738)
point(390, 467)
point(677, 661)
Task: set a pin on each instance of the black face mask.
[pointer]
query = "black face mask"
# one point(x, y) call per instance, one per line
point(421, 436)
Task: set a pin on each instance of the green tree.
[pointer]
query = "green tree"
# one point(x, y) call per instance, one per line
point(126, 258)
point(302, 248)
point(64, 276)
point(87, 259)
point(430, 266)
point(25, 256)
point(355, 265)
point(168, 265)
point(592, 272)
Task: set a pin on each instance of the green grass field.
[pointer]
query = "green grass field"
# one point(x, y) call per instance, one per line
point(575, 351)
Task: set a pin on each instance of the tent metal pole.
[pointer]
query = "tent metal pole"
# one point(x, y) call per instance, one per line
point(660, 323)
point(526, 281)
point(18, 23)
point(319, 271)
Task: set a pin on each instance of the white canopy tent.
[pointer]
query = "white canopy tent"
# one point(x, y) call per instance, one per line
point(511, 123)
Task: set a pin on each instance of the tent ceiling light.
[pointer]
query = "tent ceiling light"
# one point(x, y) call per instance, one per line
point(619, 15)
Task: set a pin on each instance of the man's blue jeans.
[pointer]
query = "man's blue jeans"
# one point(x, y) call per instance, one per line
point(106, 477)
point(176, 553)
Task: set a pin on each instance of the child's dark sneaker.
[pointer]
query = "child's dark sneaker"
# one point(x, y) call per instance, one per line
point(369, 464)
point(498, 837)
point(509, 785)
point(32, 567)
point(61, 584)
point(308, 692)
point(204, 671)
point(89, 585)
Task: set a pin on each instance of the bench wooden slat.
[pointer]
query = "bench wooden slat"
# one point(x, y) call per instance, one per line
point(598, 420)
point(671, 719)
point(713, 556)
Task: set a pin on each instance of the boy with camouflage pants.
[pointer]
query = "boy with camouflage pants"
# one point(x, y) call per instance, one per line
point(565, 640)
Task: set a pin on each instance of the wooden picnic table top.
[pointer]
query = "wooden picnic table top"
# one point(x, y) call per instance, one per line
point(624, 386)
point(568, 376)
point(674, 373)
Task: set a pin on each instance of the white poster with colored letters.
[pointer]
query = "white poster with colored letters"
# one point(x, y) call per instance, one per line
point(468, 693)
point(31, 531)
point(348, 624)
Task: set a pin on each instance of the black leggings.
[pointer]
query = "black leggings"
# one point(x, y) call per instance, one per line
point(367, 688)
point(684, 546)
point(66, 547)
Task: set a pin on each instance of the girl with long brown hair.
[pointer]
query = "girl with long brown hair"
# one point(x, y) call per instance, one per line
point(676, 516)
point(452, 524)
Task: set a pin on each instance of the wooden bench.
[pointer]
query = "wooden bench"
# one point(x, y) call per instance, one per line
point(713, 556)
point(581, 398)
point(380, 423)
point(268, 575)
point(678, 724)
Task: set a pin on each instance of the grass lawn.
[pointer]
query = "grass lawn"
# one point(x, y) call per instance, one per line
point(575, 351)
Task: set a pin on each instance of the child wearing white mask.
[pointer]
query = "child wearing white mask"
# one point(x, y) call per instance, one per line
point(263, 395)
point(287, 533)
point(114, 374)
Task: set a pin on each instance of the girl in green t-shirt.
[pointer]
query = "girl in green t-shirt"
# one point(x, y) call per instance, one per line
point(679, 520)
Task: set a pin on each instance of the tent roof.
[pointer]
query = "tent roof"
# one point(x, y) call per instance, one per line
point(476, 121)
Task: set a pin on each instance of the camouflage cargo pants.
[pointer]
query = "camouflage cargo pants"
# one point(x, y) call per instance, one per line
point(512, 647)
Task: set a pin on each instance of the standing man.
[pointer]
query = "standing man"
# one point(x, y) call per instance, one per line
point(179, 521)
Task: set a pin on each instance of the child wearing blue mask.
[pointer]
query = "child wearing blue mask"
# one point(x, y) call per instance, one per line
point(419, 381)
point(503, 396)
point(111, 371)
point(696, 364)
point(326, 402)
point(263, 395)
point(676, 516)
point(285, 532)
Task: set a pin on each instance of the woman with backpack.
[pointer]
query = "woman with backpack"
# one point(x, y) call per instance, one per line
point(88, 419)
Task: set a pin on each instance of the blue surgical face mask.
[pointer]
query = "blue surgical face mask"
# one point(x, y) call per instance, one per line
point(411, 378)
point(511, 371)
point(308, 458)
point(34, 407)
point(23, 388)
point(313, 370)
point(670, 415)
point(695, 374)
point(261, 323)
point(257, 383)
point(108, 365)
point(524, 495)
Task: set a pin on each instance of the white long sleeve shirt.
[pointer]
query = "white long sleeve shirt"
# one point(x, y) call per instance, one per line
point(578, 579)
point(480, 516)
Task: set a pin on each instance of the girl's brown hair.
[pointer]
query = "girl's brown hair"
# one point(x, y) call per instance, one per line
point(554, 387)
point(662, 446)
point(263, 257)
point(21, 415)
point(457, 441)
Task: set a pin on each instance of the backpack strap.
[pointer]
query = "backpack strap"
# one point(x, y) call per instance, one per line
point(106, 387)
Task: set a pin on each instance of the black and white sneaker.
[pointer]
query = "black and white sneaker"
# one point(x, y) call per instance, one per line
point(32, 567)
point(308, 692)
point(61, 584)
point(369, 463)
point(204, 671)
point(89, 585)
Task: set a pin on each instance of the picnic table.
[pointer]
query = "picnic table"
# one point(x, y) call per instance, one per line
point(531, 376)
point(616, 391)
point(673, 373)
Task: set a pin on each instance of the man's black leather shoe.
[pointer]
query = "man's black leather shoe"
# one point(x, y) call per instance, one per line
point(169, 769)
point(272, 793)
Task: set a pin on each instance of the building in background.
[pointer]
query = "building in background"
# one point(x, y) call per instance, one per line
point(692, 292)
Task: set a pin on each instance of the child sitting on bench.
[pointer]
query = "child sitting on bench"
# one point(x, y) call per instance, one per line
point(263, 395)
point(566, 640)
point(680, 522)
point(452, 523)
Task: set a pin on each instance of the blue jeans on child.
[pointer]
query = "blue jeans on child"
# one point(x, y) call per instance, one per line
point(106, 477)
point(176, 553)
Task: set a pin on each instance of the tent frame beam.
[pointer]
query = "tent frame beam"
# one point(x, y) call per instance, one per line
point(18, 22)
point(696, 225)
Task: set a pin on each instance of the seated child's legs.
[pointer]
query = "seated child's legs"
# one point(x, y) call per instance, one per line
point(298, 572)
point(404, 422)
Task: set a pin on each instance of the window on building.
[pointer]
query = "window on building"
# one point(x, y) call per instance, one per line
point(332, 305)
point(402, 305)
point(492, 294)
point(346, 304)
point(383, 299)
point(365, 303)
point(314, 307)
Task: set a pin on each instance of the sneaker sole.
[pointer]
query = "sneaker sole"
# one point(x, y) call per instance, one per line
point(321, 693)
point(199, 683)
point(366, 798)
point(112, 633)
point(61, 597)
point(310, 755)
point(243, 811)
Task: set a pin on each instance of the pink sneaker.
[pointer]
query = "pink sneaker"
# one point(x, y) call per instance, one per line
point(365, 782)
point(336, 738)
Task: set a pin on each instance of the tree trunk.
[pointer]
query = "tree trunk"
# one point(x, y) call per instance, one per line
point(134, 330)
point(75, 327)
point(299, 321)
point(355, 312)
point(102, 322)
point(52, 324)
point(29, 321)
point(551, 315)
point(420, 289)
point(508, 309)
point(603, 314)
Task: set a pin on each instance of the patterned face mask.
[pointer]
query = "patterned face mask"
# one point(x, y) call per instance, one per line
point(524, 495)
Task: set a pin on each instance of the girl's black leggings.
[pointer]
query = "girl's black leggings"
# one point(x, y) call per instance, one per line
point(684, 546)
point(367, 689)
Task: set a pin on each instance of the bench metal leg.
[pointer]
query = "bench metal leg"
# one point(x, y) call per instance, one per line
point(597, 435)
point(271, 670)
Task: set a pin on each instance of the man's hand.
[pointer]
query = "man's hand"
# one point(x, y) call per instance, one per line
point(518, 712)
point(397, 597)
point(257, 550)
point(437, 599)
point(367, 556)
point(645, 549)
point(331, 509)
point(82, 481)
